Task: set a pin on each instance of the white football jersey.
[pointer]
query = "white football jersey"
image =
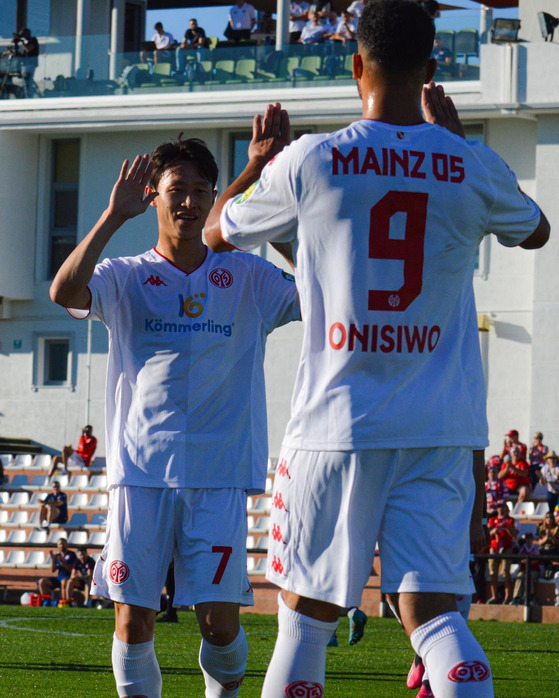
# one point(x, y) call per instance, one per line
point(185, 403)
point(385, 222)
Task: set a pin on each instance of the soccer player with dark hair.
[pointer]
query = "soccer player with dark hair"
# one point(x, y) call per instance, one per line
point(185, 411)
point(385, 218)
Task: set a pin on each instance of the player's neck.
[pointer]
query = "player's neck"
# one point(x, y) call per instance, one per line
point(399, 106)
point(187, 256)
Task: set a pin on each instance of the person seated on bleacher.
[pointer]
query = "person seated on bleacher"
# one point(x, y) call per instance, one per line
point(442, 55)
point(313, 32)
point(53, 508)
point(298, 16)
point(346, 28)
point(79, 458)
point(194, 39)
point(502, 536)
point(515, 475)
point(549, 476)
point(164, 43)
point(536, 458)
point(62, 562)
point(494, 491)
point(528, 548)
point(548, 537)
point(81, 577)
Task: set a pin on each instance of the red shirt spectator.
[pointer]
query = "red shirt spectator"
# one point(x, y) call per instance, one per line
point(515, 476)
point(512, 443)
point(502, 529)
point(494, 491)
point(86, 447)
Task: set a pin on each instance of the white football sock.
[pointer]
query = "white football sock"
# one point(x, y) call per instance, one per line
point(299, 658)
point(457, 666)
point(136, 669)
point(224, 667)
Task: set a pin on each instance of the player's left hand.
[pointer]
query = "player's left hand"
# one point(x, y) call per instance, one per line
point(439, 109)
point(270, 134)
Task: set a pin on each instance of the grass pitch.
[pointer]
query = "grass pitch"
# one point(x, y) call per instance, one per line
point(66, 652)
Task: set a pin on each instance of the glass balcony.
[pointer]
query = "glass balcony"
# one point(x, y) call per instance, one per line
point(68, 68)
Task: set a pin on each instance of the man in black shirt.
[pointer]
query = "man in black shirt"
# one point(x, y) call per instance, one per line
point(27, 48)
point(194, 38)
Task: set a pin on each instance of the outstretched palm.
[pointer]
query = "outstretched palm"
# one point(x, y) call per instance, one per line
point(127, 197)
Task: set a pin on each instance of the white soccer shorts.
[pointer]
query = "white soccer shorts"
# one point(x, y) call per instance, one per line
point(203, 530)
point(330, 508)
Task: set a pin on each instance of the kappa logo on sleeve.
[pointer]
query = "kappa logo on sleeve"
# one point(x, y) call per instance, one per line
point(246, 194)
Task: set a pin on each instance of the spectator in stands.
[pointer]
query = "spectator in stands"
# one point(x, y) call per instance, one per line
point(502, 534)
point(441, 53)
point(164, 43)
point(515, 475)
point(298, 16)
point(194, 38)
point(511, 444)
point(356, 8)
point(494, 491)
point(322, 8)
point(529, 547)
point(242, 19)
point(81, 457)
point(314, 32)
point(53, 508)
point(81, 577)
point(267, 24)
point(62, 562)
point(27, 48)
point(548, 536)
point(549, 476)
point(536, 458)
point(345, 29)
point(493, 462)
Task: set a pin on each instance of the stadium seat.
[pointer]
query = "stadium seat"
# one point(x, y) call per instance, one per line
point(260, 567)
point(262, 505)
point(78, 520)
point(98, 483)
point(37, 538)
point(541, 510)
point(261, 526)
point(245, 70)
point(78, 500)
point(97, 538)
point(269, 484)
point(1, 557)
point(3, 535)
point(17, 500)
point(466, 44)
point(4, 498)
point(36, 499)
point(523, 510)
point(14, 559)
point(272, 464)
point(97, 521)
point(250, 542)
point(78, 483)
point(23, 460)
point(7, 459)
point(447, 37)
point(34, 519)
point(4, 516)
point(77, 538)
point(98, 502)
point(17, 482)
point(99, 464)
point(250, 502)
point(39, 482)
point(34, 559)
point(17, 519)
point(262, 543)
point(55, 535)
point(309, 68)
point(17, 537)
point(43, 461)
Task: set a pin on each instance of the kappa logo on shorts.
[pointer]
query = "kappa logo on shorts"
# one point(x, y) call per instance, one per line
point(469, 671)
point(304, 689)
point(118, 572)
point(277, 565)
point(282, 469)
point(222, 278)
point(276, 534)
point(279, 503)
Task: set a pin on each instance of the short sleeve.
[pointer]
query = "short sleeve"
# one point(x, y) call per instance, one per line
point(275, 294)
point(513, 216)
point(265, 211)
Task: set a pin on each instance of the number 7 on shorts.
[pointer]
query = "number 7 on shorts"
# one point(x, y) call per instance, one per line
point(225, 551)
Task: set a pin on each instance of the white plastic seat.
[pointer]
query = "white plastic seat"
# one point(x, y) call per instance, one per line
point(4, 516)
point(17, 537)
point(522, 510)
point(97, 538)
point(269, 485)
point(262, 505)
point(260, 567)
point(98, 483)
point(34, 559)
point(14, 559)
point(78, 538)
point(3, 535)
point(17, 519)
point(55, 535)
point(35, 499)
point(34, 519)
point(98, 502)
point(272, 463)
point(39, 482)
point(541, 510)
point(7, 459)
point(78, 520)
point(262, 525)
point(78, 483)
point(37, 537)
point(4, 498)
point(99, 464)
point(1, 557)
point(43, 461)
point(17, 500)
point(250, 542)
point(23, 460)
point(78, 500)
point(262, 543)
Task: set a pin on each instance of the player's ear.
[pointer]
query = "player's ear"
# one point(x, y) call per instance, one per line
point(430, 70)
point(214, 196)
point(357, 66)
point(149, 190)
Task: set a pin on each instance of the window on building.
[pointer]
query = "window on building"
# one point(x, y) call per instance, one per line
point(64, 201)
point(53, 361)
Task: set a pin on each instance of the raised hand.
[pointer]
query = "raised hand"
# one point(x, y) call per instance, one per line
point(127, 197)
point(269, 135)
point(439, 109)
